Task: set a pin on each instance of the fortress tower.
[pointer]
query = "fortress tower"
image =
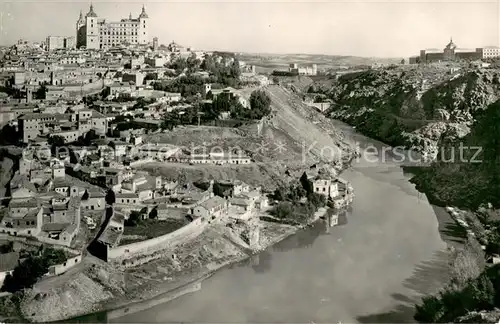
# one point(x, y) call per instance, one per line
point(92, 29)
point(96, 33)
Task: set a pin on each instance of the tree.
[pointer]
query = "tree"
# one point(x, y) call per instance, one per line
point(283, 210)
point(110, 197)
point(279, 194)
point(9, 135)
point(153, 214)
point(193, 63)
point(261, 102)
point(31, 269)
point(296, 193)
point(41, 93)
point(235, 69)
point(7, 247)
point(306, 183)
point(429, 311)
point(316, 200)
point(221, 190)
point(55, 142)
point(134, 219)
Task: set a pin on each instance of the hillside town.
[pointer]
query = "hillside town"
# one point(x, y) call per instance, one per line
point(132, 168)
point(81, 118)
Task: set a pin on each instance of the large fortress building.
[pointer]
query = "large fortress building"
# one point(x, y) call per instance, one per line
point(452, 53)
point(96, 33)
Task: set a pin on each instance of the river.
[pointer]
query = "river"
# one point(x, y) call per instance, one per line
point(373, 268)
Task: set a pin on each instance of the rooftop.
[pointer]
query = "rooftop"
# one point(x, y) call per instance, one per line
point(213, 202)
point(54, 227)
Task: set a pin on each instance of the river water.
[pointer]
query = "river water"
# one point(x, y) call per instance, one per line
point(387, 252)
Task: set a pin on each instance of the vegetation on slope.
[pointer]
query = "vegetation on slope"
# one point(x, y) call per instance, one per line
point(467, 172)
point(396, 105)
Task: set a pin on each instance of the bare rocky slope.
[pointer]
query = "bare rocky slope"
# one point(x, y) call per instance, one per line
point(414, 106)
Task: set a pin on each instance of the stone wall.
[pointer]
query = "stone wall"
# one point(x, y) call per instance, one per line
point(32, 241)
point(143, 248)
point(65, 266)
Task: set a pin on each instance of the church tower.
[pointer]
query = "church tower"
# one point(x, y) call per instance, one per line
point(92, 29)
point(143, 27)
point(81, 34)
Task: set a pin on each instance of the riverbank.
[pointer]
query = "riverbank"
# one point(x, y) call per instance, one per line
point(100, 291)
point(150, 295)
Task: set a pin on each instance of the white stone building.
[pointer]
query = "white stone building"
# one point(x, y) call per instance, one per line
point(96, 33)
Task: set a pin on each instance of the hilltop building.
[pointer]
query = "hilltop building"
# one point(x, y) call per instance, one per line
point(95, 33)
point(303, 70)
point(452, 53)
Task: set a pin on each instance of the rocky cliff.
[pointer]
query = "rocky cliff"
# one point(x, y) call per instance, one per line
point(467, 171)
point(414, 107)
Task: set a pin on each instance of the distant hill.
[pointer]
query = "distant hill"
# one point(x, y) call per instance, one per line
point(323, 61)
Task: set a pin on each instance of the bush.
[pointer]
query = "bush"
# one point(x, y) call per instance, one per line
point(134, 219)
point(7, 247)
point(31, 269)
point(481, 293)
point(316, 200)
point(283, 210)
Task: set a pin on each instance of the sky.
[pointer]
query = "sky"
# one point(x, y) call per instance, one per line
point(360, 27)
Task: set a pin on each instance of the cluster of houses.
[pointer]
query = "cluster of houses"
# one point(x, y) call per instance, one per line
point(168, 200)
point(61, 193)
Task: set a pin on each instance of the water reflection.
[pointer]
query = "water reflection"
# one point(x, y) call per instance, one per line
point(261, 262)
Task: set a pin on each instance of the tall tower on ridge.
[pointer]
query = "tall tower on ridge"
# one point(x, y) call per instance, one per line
point(92, 30)
point(143, 27)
